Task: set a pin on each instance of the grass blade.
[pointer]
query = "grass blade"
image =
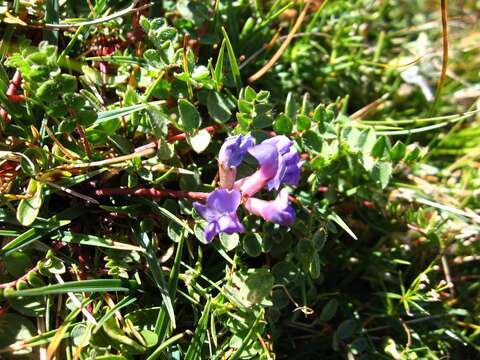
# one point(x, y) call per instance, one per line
point(100, 285)
point(118, 113)
point(194, 351)
point(91, 240)
point(162, 324)
point(218, 72)
point(156, 271)
point(33, 234)
point(233, 60)
point(120, 305)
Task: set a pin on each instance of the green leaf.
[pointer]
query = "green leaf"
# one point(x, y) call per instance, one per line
point(117, 334)
point(28, 209)
point(233, 61)
point(381, 172)
point(194, 351)
point(194, 11)
point(33, 306)
point(229, 241)
point(120, 305)
point(351, 136)
point(303, 123)
point(291, 107)
point(92, 240)
point(346, 329)
point(155, 270)
point(218, 106)
point(320, 114)
point(379, 148)
point(398, 151)
point(158, 121)
point(33, 234)
point(15, 328)
point(251, 287)
point(315, 266)
point(66, 83)
point(329, 310)
point(78, 333)
point(120, 112)
point(100, 285)
point(252, 244)
point(283, 124)
point(312, 141)
point(366, 140)
point(189, 116)
point(338, 220)
point(218, 72)
point(200, 141)
point(17, 263)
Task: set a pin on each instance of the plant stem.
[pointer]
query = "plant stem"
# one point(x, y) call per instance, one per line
point(152, 192)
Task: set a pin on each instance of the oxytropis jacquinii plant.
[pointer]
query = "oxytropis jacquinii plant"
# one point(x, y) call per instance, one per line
point(279, 163)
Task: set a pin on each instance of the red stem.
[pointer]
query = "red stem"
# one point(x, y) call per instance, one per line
point(85, 143)
point(16, 98)
point(14, 282)
point(183, 136)
point(11, 93)
point(152, 192)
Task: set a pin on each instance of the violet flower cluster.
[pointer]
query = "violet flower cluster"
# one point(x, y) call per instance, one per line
point(279, 163)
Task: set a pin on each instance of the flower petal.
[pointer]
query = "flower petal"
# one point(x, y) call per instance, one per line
point(267, 157)
point(224, 201)
point(211, 231)
point(278, 211)
point(230, 224)
point(205, 212)
point(234, 149)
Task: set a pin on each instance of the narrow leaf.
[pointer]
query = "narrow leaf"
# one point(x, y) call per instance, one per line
point(233, 60)
point(338, 220)
point(100, 285)
point(195, 349)
point(156, 271)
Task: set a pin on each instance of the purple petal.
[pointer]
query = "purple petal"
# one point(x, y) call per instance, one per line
point(278, 211)
point(211, 231)
point(279, 161)
point(205, 212)
point(234, 149)
point(281, 142)
point(224, 201)
point(230, 224)
point(285, 217)
point(267, 157)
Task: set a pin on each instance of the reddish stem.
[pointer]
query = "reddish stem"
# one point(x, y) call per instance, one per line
point(11, 93)
point(180, 136)
point(85, 143)
point(16, 98)
point(14, 83)
point(152, 192)
point(183, 136)
point(14, 282)
point(3, 310)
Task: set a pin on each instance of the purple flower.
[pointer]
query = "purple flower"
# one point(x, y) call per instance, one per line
point(221, 212)
point(230, 156)
point(277, 211)
point(279, 163)
point(234, 149)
